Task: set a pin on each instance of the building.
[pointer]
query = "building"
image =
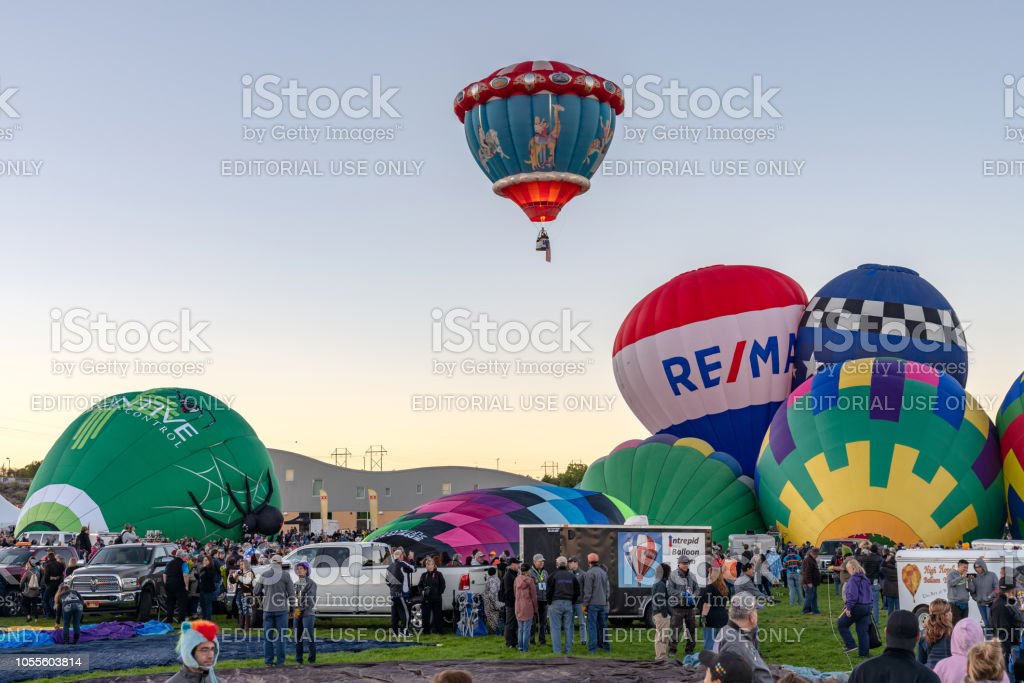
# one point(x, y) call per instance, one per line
point(398, 491)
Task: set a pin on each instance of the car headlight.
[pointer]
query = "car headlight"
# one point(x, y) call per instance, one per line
point(129, 583)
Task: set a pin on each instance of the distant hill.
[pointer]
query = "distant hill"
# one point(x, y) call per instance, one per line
point(15, 490)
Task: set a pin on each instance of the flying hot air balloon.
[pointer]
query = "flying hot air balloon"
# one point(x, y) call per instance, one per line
point(539, 130)
point(709, 355)
point(175, 460)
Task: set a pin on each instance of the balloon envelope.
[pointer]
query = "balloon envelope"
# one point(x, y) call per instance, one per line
point(1010, 422)
point(878, 310)
point(682, 482)
point(709, 355)
point(134, 458)
point(882, 446)
point(489, 519)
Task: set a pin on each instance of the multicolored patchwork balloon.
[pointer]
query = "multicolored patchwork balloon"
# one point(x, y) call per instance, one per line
point(681, 482)
point(642, 553)
point(175, 460)
point(489, 519)
point(882, 446)
point(878, 310)
point(1010, 421)
point(710, 355)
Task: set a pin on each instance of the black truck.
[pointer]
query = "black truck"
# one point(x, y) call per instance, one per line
point(125, 578)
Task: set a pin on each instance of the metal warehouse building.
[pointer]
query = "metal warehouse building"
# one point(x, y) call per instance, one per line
point(398, 491)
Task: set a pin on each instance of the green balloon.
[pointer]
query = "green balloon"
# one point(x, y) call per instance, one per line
point(174, 460)
point(679, 482)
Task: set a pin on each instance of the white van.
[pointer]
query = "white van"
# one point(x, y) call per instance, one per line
point(758, 543)
point(926, 570)
point(997, 544)
point(47, 538)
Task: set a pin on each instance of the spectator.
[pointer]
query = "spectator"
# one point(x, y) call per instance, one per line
point(305, 613)
point(956, 591)
point(934, 645)
point(661, 611)
point(53, 576)
point(246, 579)
point(563, 593)
point(728, 667)
point(492, 601)
point(985, 663)
point(452, 676)
point(128, 535)
point(207, 586)
point(738, 637)
point(982, 587)
point(83, 544)
point(176, 587)
point(596, 591)
point(31, 589)
point(574, 567)
point(745, 583)
point(810, 579)
point(872, 563)
point(508, 596)
point(890, 584)
point(432, 589)
point(69, 605)
point(540, 576)
point(198, 649)
point(397, 577)
point(792, 563)
point(857, 597)
point(714, 608)
point(898, 663)
point(683, 588)
point(1006, 622)
point(276, 589)
point(966, 634)
point(527, 607)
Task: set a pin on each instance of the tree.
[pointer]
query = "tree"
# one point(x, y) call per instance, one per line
point(27, 471)
point(570, 478)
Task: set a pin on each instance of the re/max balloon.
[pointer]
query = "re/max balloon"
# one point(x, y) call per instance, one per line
point(680, 482)
point(886, 447)
point(710, 355)
point(175, 460)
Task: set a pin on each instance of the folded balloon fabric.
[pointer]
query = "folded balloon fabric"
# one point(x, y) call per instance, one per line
point(109, 630)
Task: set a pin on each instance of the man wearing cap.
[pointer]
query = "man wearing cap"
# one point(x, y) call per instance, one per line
point(739, 637)
point(898, 663)
point(198, 649)
point(727, 667)
point(277, 589)
point(176, 586)
point(397, 577)
point(596, 591)
point(540, 623)
point(508, 596)
point(563, 593)
point(574, 567)
point(683, 589)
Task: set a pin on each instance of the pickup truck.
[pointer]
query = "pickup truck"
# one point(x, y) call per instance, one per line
point(351, 581)
point(125, 578)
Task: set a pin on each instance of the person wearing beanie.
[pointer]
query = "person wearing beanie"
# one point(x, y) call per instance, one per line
point(898, 663)
point(198, 649)
point(304, 613)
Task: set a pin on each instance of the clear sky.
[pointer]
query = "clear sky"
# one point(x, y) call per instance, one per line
point(319, 291)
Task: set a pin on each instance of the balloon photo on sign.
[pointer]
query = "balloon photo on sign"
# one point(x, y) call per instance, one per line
point(639, 554)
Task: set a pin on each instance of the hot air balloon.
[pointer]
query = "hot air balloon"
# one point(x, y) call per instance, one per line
point(175, 460)
point(878, 310)
point(882, 446)
point(679, 482)
point(641, 554)
point(1010, 421)
point(489, 519)
point(539, 130)
point(709, 354)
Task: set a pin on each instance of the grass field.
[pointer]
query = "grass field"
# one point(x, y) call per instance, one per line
point(788, 637)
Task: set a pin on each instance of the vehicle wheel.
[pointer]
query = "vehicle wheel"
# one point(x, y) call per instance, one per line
point(145, 605)
point(416, 617)
point(921, 612)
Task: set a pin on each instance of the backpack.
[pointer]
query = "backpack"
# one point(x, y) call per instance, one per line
point(120, 539)
point(33, 581)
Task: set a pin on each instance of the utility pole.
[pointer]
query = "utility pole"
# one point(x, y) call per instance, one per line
point(344, 453)
point(550, 469)
point(376, 455)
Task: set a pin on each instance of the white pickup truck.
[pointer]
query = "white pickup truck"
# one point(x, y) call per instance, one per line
point(350, 579)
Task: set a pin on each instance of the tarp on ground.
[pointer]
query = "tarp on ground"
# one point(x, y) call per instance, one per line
point(115, 655)
point(108, 630)
point(530, 670)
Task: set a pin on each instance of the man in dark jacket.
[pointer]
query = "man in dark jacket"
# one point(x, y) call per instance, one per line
point(508, 596)
point(540, 621)
point(872, 563)
point(431, 593)
point(563, 592)
point(176, 588)
point(53, 576)
point(83, 543)
point(811, 577)
point(398, 584)
point(683, 589)
point(898, 663)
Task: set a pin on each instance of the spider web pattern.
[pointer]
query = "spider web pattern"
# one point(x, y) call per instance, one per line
point(217, 488)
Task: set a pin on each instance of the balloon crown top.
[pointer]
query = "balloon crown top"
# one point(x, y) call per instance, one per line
point(537, 76)
point(892, 269)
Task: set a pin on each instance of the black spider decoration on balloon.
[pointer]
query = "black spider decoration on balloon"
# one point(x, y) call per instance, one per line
point(264, 519)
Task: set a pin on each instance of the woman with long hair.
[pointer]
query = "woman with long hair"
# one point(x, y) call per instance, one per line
point(934, 644)
point(31, 589)
point(859, 600)
point(244, 586)
point(714, 606)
